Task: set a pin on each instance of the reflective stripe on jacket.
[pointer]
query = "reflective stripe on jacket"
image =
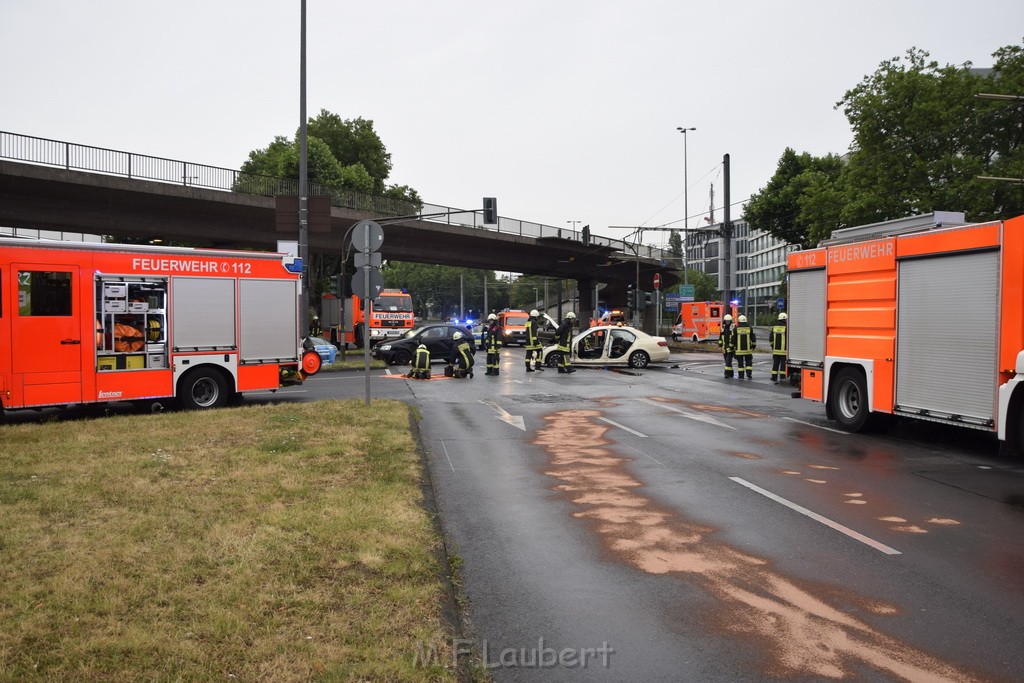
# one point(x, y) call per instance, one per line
point(532, 341)
point(744, 339)
point(777, 340)
point(726, 339)
point(422, 361)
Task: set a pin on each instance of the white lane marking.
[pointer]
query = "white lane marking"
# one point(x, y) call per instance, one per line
point(278, 392)
point(700, 417)
point(503, 415)
point(644, 454)
point(818, 518)
point(811, 424)
point(387, 371)
point(623, 427)
point(447, 456)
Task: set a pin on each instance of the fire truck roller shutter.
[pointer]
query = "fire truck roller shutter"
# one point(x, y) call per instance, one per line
point(203, 313)
point(265, 305)
point(807, 317)
point(947, 327)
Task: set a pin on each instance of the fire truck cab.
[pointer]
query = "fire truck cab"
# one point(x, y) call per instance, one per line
point(87, 323)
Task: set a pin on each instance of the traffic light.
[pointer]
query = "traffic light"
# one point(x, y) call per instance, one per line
point(631, 296)
point(648, 298)
point(490, 210)
point(336, 285)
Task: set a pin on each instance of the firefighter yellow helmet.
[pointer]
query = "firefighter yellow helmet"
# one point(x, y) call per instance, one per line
point(743, 318)
point(727, 318)
point(783, 316)
point(457, 336)
point(492, 317)
point(570, 315)
point(534, 313)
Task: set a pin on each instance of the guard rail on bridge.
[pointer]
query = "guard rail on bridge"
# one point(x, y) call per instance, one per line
point(76, 157)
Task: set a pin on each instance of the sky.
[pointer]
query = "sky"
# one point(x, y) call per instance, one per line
point(566, 111)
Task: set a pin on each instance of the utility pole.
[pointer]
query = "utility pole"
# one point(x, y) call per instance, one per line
point(303, 183)
point(726, 233)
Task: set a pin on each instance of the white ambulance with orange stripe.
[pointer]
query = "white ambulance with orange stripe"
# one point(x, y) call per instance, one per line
point(927, 324)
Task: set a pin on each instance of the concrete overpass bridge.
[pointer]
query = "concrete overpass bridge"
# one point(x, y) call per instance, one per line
point(53, 185)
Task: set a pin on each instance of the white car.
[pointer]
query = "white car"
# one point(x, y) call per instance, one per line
point(611, 345)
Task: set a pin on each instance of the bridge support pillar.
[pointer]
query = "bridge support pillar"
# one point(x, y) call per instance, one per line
point(588, 306)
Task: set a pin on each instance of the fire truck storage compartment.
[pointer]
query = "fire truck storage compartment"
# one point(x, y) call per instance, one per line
point(807, 317)
point(264, 337)
point(204, 314)
point(132, 322)
point(947, 319)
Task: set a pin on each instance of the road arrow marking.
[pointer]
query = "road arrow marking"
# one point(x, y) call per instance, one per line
point(700, 417)
point(503, 415)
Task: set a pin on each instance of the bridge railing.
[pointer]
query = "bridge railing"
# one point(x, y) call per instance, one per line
point(76, 157)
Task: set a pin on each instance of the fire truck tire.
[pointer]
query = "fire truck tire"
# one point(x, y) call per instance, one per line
point(359, 336)
point(849, 400)
point(311, 363)
point(694, 338)
point(639, 359)
point(201, 389)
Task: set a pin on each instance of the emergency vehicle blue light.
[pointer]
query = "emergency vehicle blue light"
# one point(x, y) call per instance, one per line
point(293, 264)
point(735, 302)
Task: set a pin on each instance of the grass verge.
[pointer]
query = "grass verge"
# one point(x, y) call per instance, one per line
point(282, 542)
point(352, 359)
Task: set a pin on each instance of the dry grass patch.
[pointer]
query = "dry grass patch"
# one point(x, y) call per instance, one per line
point(265, 542)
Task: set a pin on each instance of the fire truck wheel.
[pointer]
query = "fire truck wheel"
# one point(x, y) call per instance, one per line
point(694, 338)
point(202, 388)
point(849, 399)
point(639, 359)
point(311, 363)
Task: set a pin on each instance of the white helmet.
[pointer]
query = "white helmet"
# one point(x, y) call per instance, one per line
point(422, 346)
point(783, 316)
point(535, 313)
point(727, 318)
point(492, 317)
point(743, 318)
point(570, 315)
point(457, 336)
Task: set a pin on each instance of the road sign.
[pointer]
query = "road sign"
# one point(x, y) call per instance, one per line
point(376, 284)
point(367, 236)
point(372, 259)
point(780, 304)
point(672, 301)
point(657, 280)
point(686, 292)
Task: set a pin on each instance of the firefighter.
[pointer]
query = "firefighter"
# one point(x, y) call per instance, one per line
point(727, 342)
point(461, 357)
point(492, 344)
point(421, 363)
point(744, 342)
point(563, 337)
point(777, 340)
point(314, 327)
point(533, 342)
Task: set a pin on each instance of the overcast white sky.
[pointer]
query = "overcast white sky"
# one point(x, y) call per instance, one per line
point(563, 110)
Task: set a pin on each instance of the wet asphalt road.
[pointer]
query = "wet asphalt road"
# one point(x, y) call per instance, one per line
point(668, 524)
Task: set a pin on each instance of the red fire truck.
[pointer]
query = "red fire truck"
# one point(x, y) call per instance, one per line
point(87, 323)
point(390, 316)
point(928, 325)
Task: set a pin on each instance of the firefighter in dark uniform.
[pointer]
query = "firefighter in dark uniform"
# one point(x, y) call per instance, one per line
point(744, 341)
point(461, 358)
point(314, 327)
point(727, 342)
point(777, 340)
point(533, 341)
point(421, 363)
point(563, 335)
point(492, 344)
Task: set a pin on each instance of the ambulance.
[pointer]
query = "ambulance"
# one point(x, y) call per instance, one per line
point(701, 320)
point(926, 324)
point(89, 323)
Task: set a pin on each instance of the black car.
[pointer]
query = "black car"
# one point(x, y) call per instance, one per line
point(437, 338)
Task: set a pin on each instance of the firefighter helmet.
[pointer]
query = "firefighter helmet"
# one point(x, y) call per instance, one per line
point(570, 315)
point(492, 317)
point(424, 346)
point(457, 336)
point(535, 313)
point(783, 316)
point(743, 319)
point(727, 318)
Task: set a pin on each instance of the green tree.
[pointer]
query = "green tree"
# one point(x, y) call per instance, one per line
point(435, 289)
point(353, 141)
point(281, 160)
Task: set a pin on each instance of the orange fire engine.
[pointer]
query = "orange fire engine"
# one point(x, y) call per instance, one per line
point(390, 316)
point(85, 323)
point(701, 320)
point(928, 325)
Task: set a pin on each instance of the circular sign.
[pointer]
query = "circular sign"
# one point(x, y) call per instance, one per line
point(367, 236)
point(657, 280)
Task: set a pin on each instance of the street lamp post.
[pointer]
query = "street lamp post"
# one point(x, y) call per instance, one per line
point(686, 206)
point(574, 224)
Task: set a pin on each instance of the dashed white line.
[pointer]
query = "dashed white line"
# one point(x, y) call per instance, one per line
point(447, 456)
point(622, 427)
point(811, 424)
point(818, 518)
